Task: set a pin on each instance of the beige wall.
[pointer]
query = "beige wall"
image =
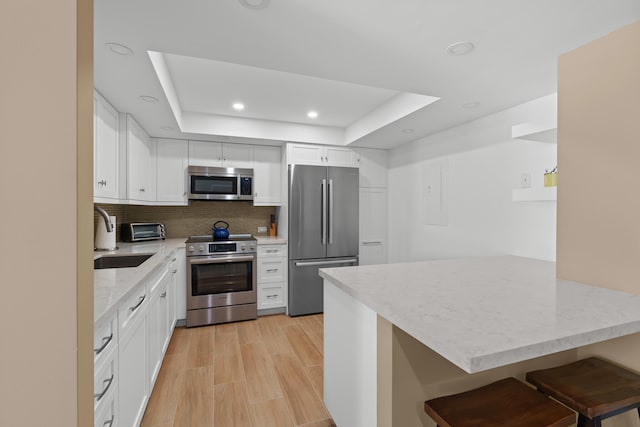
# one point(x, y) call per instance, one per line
point(42, 378)
point(599, 167)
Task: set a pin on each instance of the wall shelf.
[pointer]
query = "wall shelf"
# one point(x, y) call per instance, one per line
point(535, 194)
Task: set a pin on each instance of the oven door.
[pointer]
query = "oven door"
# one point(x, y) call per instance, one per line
point(221, 280)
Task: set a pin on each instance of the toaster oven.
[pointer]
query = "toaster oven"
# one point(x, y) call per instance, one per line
point(140, 231)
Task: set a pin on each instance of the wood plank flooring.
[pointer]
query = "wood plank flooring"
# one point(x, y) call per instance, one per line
point(259, 373)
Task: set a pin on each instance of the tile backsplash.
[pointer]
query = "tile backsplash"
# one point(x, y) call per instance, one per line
point(195, 219)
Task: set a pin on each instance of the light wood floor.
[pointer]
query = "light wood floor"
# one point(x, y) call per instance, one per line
point(259, 373)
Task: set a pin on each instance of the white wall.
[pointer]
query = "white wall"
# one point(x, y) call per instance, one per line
point(484, 164)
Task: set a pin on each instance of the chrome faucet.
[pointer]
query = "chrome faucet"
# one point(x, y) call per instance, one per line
point(105, 215)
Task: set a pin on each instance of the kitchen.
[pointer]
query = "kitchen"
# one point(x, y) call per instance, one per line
point(64, 215)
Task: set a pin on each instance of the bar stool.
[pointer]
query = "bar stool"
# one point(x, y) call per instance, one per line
point(505, 403)
point(594, 388)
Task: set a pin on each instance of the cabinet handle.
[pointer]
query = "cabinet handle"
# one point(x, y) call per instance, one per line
point(135, 307)
point(105, 343)
point(110, 422)
point(272, 296)
point(102, 182)
point(100, 395)
point(163, 295)
point(174, 271)
point(272, 270)
point(372, 242)
point(142, 190)
point(272, 251)
point(173, 260)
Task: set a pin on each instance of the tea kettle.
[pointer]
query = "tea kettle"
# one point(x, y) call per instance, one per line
point(220, 233)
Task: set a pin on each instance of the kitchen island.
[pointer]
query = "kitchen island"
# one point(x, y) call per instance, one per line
point(398, 334)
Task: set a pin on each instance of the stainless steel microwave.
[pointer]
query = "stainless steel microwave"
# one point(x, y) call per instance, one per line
point(213, 183)
point(140, 231)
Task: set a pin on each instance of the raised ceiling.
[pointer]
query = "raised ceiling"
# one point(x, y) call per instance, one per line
point(370, 68)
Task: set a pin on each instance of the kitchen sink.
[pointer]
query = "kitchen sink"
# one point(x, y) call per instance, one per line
point(119, 261)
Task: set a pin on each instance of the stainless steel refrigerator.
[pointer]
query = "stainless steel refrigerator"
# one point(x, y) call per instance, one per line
point(323, 230)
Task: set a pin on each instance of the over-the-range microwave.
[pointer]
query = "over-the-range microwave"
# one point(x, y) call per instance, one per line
point(214, 183)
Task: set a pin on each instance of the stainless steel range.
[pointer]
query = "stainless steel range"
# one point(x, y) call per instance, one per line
point(221, 279)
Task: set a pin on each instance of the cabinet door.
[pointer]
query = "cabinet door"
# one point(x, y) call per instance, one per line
point(300, 154)
point(373, 167)
point(237, 156)
point(106, 151)
point(337, 156)
point(373, 226)
point(181, 284)
point(172, 158)
point(133, 381)
point(205, 153)
point(141, 165)
point(158, 328)
point(267, 176)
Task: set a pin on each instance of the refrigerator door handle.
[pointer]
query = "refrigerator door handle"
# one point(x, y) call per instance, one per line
point(312, 263)
point(323, 228)
point(330, 211)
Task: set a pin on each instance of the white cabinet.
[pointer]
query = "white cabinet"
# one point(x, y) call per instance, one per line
point(181, 284)
point(105, 150)
point(373, 226)
point(216, 154)
point(320, 155)
point(272, 276)
point(172, 159)
point(159, 322)
point(267, 176)
point(141, 161)
point(133, 358)
point(373, 167)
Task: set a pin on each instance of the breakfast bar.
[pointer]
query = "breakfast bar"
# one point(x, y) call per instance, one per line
point(398, 334)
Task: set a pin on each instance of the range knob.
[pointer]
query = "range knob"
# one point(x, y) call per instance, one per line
point(190, 249)
point(252, 247)
point(200, 248)
point(243, 247)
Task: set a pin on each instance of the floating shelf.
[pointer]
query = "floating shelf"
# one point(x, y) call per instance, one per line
point(542, 194)
point(536, 131)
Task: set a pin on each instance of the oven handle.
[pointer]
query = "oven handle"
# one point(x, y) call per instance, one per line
point(221, 260)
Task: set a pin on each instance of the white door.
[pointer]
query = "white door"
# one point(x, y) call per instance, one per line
point(337, 156)
point(172, 158)
point(300, 154)
point(267, 176)
point(105, 149)
point(205, 153)
point(141, 165)
point(237, 156)
point(373, 226)
point(373, 167)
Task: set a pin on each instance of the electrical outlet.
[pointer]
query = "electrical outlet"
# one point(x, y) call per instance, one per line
point(525, 180)
point(262, 229)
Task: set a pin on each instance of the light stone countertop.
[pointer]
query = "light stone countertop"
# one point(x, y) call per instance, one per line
point(486, 312)
point(268, 240)
point(112, 285)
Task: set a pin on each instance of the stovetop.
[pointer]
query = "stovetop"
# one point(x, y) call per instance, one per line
point(232, 238)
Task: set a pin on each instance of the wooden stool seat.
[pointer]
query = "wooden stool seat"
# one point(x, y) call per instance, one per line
point(505, 403)
point(596, 389)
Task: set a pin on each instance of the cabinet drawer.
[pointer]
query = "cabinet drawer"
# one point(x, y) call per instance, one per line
point(271, 270)
point(265, 251)
point(105, 338)
point(107, 415)
point(131, 307)
point(105, 380)
point(270, 296)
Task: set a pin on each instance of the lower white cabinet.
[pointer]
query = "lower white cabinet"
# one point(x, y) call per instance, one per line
point(159, 323)
point(133, 384)
point(272, 276)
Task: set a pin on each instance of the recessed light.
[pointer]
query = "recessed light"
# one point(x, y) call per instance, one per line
point(471, 105)
point(312, 114)
point(255, 4)
point(238, 106)
point(461, 48)
point(149, 98)
point(166, 127)
point(408, 130)
point(120, 49)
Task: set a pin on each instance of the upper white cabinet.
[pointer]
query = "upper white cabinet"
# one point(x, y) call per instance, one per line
point(267, 176)
point(321, 155)
point(216, 154)
point(141, 161)
point(106, 149)
point(373, 226)
point(172, 158)
point(373, 167)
